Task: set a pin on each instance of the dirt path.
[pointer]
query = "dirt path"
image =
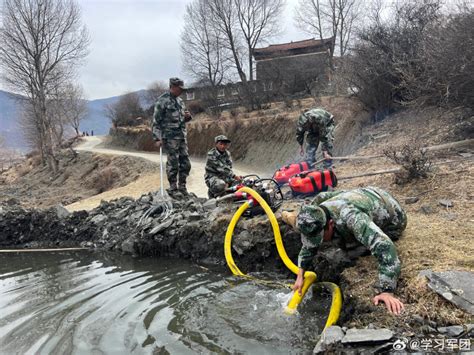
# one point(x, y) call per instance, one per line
point(146, 183)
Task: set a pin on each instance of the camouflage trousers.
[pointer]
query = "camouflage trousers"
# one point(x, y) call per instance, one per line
point(310, 156)
point(216, 186)
point(177, 164)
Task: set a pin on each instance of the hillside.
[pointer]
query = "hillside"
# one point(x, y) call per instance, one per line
point(10, 108)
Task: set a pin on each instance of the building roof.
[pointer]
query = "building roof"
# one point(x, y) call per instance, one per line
point(292, 48)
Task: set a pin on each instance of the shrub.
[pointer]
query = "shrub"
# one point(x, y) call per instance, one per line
point(104, 179)
point(414, 160)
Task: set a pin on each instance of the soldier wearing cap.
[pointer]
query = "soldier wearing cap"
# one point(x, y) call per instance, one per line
point(219, 174)
point(318, 124)
point(169, 130)
point(369, 216)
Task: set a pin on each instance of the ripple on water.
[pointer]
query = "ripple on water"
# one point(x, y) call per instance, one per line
point(83, 302)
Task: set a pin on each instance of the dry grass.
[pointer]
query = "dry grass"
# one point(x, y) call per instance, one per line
point(440, 240)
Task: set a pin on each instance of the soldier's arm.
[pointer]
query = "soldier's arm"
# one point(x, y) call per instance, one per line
point(380, 245)
point(327, 135)
point(212, 164)
point(187, 115)
point(156, 126)
point(308, 250)
point(300, 130)
point(323, 196)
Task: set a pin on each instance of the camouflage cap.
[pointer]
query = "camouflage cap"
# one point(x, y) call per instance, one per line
point(311, 221)
point(177, 82)
point(221, 138)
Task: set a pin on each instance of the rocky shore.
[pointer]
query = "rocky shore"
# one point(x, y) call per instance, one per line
point(195, 230)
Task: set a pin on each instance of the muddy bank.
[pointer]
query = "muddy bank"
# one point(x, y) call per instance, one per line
point(193, 231)
point(264, 139)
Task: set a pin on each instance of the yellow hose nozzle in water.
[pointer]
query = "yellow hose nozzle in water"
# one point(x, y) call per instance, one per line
point(309, 276)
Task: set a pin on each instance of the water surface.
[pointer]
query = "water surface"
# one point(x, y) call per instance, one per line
point(105, 303)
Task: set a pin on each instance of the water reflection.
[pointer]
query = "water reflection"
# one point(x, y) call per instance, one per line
point(89, 302)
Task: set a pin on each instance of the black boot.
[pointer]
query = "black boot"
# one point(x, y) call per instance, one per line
point(182, 189)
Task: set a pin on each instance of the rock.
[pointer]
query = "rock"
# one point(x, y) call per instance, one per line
point(466, 155)
point(128, 246)
point(161, 227)
point(331, 335)
point(61, 211)
point(418, 319)
point(427, 209)
point(446, 203)
point(450, 216)
point(367, 335)
point(453, 331)
point(455, 286)
point(209, 205)
point(426, 329)
point(411, 200)
point(98, 219)
point(195, 216)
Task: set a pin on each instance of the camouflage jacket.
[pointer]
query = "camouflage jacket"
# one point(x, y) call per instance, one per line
point(320, 126)
point(361, 214)
point(168, 118)
point(220, 165)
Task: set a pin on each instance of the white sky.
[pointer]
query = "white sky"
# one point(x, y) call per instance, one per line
point(136, 42)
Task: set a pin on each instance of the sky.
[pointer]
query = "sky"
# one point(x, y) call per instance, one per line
point(136, 42)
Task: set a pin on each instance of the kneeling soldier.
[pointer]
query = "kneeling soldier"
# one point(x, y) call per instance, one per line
point(369, 215)
point(219, 174)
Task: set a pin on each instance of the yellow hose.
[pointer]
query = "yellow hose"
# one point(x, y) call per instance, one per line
point(309, 276)
point(336, 303)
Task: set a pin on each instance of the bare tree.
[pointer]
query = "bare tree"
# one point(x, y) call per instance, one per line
point(259, 20)
point(202, 47)
point(125, 111)
point(225, 19)
point(329, 19)
point(154, 91)
point(41, 44)
point(69, 108)
point(244, 24)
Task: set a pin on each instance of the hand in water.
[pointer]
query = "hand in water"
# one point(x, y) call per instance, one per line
point(298, 286)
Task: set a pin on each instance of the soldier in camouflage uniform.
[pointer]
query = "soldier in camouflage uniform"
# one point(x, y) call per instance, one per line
point(370, 216)
point(319, 125)
point(169, 129)
point(219, 174)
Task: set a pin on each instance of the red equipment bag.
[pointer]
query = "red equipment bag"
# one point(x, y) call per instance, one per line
point(284, 174)
point(312, 182)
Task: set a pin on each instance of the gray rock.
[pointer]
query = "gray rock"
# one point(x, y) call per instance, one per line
point(331, 335)
point(98, 219)
point(194, 216)
point(161, 227)
point(452, 331)
point(427, 209)
point(367, 335)
point(455, 286)
point(209, 205)
point(61, 211)
point(446, 203)
point(128, 246)
point(450, 216)
point(411, 200)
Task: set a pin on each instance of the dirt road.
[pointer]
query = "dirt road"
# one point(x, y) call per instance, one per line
point(195, 181)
